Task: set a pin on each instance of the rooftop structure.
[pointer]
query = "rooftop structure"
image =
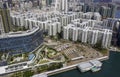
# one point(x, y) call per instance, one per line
point(40, 75)
point(12, 68)
point(96, 63)
point(85, 66)
point(19, 33)
point(93, 65)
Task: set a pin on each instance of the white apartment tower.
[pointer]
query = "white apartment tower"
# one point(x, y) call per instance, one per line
point(61, 5)
point(66, 32)
point(94, 37)
point(57, 5)
point(43, 2)
point(64, 5)
point(75, 34)
point(54, 28)
point(84, 35)
point(107, 36)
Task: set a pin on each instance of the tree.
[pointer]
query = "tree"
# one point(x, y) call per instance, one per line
point(28, 73)
point(98, 45)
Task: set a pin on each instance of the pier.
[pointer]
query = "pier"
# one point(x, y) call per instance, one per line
point(93, 65)
point(83, 67)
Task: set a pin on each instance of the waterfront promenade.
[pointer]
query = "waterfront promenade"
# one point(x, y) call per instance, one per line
point(67, 68)
point(110, 68)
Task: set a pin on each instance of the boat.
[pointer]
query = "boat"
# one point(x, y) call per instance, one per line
point(95, 69)
point(96, 65)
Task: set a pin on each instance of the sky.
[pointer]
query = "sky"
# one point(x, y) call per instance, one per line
point(116, 0)
point(107, 0)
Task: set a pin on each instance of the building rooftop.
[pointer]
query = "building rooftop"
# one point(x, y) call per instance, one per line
point(2, 69)
point(40, 75)
point(85, 65)
point(95, 62)
point(20, 33)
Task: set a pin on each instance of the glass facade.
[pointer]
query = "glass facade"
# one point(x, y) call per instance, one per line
point(22, 44)
point(118, 36)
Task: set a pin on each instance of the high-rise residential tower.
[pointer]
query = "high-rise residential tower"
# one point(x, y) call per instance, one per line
point(5, 19)
point(61, 5)
point(65, 5)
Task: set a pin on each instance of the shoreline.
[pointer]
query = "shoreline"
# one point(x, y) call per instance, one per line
point(71, 67)
point(107, 67)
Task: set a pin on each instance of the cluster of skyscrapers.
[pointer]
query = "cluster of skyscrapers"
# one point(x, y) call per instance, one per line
point(84, 22)
point(76, 26)
point(88, 31)
point(106, 10)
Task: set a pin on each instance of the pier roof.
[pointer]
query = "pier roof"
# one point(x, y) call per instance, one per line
point(40, 75)
point(85, 65)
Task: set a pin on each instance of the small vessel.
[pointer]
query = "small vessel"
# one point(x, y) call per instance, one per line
point(96, 65)
point(95, 69)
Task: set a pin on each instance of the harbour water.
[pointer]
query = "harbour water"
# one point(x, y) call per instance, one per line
point(110, 68)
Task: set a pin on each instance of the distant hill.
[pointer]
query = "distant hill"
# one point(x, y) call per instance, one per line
point(103, 0)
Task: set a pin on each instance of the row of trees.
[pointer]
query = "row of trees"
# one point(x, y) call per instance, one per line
point(37, 70)
point(27, 73)
point(49, 67)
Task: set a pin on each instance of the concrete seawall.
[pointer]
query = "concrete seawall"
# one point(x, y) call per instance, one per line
point(64, 69)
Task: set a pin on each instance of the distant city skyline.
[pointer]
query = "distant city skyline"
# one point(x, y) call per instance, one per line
point(116, 0)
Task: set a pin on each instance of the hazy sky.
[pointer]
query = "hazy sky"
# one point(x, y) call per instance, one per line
point(116, 0)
